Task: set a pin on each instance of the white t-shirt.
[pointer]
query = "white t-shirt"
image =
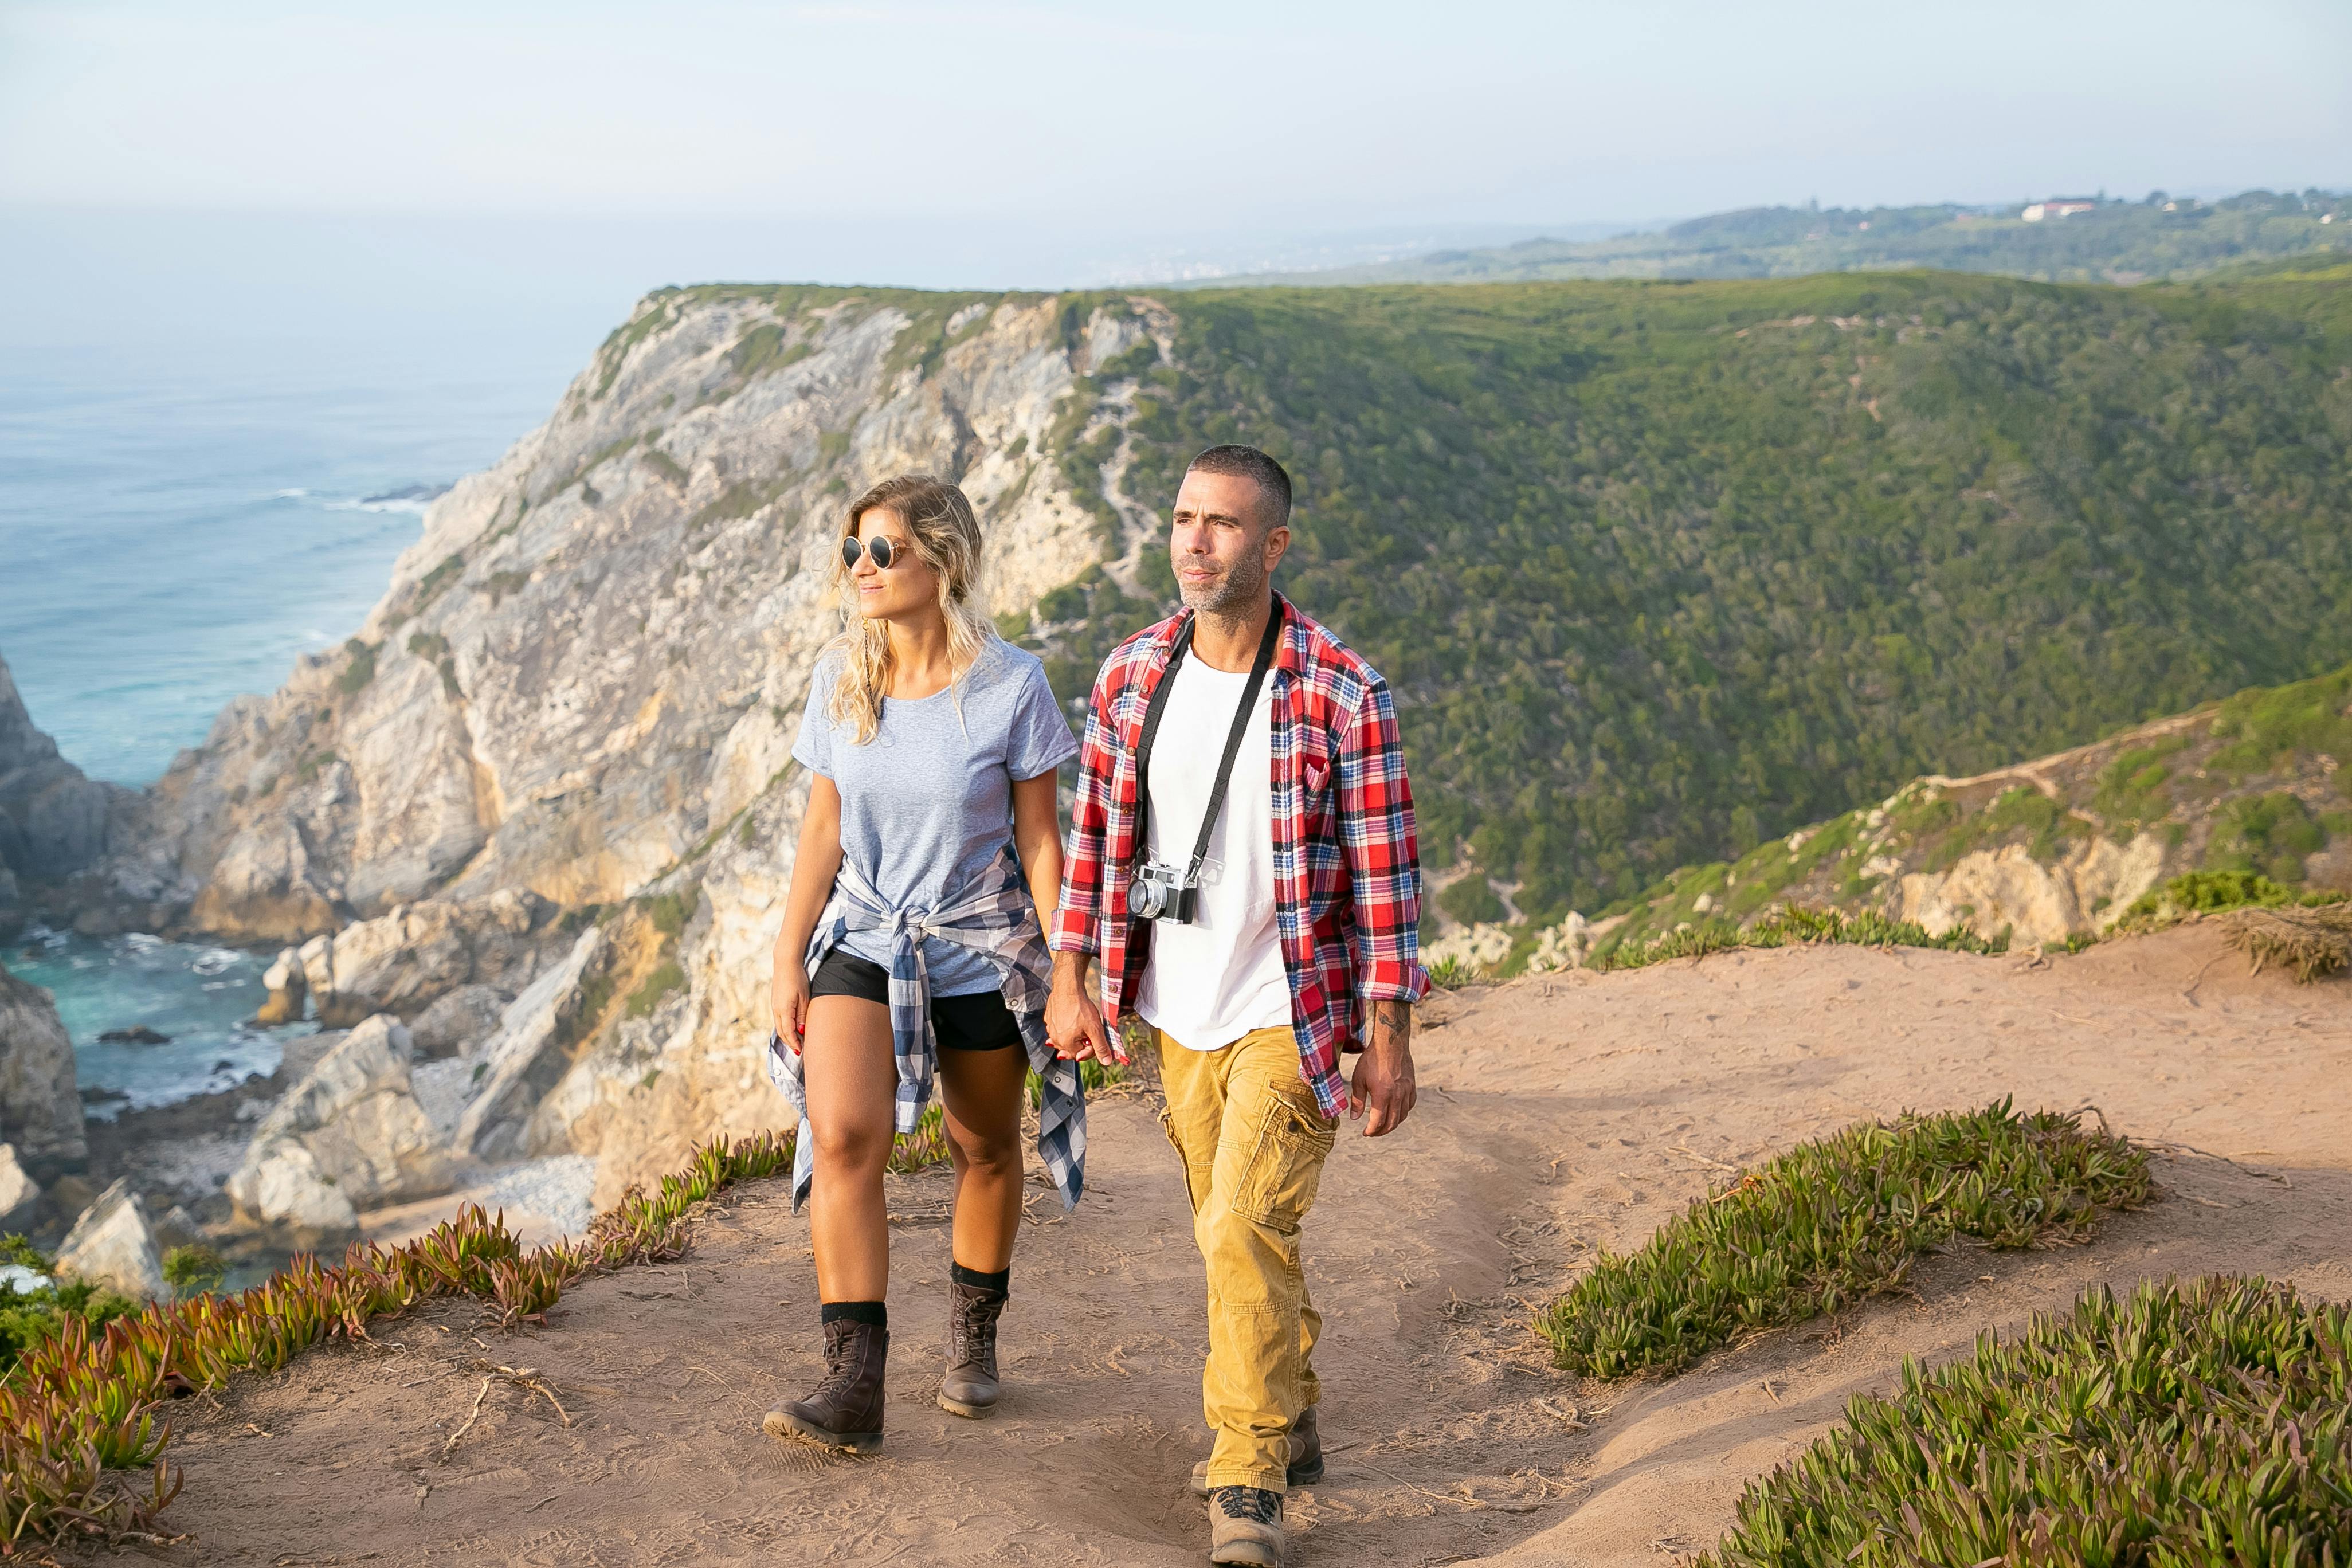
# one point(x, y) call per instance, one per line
point(1212, 981)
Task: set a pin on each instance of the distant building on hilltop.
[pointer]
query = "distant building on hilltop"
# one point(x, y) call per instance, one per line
point(2058, 206)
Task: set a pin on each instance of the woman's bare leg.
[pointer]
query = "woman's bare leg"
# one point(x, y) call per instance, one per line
point(981, 1093)
point(852, 1081)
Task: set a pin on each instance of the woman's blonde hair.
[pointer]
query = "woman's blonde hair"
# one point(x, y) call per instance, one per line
point(946, 535)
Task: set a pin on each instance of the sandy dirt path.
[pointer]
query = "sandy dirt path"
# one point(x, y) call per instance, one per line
point(1559, 1116)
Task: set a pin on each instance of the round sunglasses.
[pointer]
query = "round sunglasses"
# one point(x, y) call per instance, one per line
point(885, 553)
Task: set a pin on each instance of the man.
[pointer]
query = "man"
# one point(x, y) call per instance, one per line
point(1242, 858)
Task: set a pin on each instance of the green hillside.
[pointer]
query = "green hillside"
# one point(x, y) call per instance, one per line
point(2119, 242)
point(1662, 572)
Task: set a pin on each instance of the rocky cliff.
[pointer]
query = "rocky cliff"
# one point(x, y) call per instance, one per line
point(582, 684)
point(53, 822)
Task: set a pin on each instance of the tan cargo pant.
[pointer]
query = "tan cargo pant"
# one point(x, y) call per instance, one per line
point(1253, 1141)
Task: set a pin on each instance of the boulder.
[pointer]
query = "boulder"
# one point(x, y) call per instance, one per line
point(20, 1196)
point(349, 1136)
point(530, 1054)
point(404, 961)
point(40, 1109)
point(290, 988)
point(302, 1052)
point(113, 1245)
point(464, 1019)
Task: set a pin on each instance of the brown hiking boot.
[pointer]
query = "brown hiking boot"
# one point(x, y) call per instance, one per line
point(970, 1387)
point(845, 1411)
point(1245, 1526)
point(1305, 1456)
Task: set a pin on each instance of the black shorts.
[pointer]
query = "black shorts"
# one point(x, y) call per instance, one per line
point(980, 1022)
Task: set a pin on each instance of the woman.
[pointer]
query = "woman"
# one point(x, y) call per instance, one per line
point(910, 941)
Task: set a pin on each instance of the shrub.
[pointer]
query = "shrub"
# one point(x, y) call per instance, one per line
point(360, 670)
point(2209, 1422)
point(1831, 1222)
point(2313, 941)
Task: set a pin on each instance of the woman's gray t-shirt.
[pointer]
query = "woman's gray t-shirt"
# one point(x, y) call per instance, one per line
point(927, 803)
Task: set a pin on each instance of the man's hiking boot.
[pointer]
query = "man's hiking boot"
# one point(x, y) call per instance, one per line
point(845, 1411)
point(970, 1387)
point(1245, 1526)
point(1305, 1456)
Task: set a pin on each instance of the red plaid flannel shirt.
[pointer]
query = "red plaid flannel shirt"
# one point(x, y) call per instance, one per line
point(1347, 872)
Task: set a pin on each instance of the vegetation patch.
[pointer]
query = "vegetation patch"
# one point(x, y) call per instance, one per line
point(360, 670)
point(1794, 927)
point(667, 980)
point(2269, 834)
point(429, 586)
point(2213, 893)
point(1832, 1222)
point(2205, 1422)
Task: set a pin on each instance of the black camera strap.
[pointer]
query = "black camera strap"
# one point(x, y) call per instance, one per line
point(1233, 741)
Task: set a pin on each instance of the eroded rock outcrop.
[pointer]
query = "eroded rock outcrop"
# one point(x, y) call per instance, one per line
point(350, 1136)
point(20, 1194)
point(531, 1052)
point(404, 961)
point(40, 1107)
point(1992, 891)
point(113, 1245)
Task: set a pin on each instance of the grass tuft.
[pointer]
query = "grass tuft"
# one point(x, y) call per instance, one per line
point(1793, 927)
point(2206, 1422)
point(1831, 1222)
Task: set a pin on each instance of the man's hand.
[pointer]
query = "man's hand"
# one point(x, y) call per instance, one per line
point(1383, 1083)
point(1073, 1024)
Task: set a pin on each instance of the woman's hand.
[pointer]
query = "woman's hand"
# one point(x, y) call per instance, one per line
point(788, 1004)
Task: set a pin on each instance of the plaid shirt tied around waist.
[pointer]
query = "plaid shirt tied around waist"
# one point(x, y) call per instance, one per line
point(1347, 870)
point(993, 916)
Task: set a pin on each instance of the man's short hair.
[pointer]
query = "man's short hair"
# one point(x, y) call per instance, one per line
point(1249, 463)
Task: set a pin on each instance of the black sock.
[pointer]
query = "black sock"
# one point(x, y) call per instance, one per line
point(1001, 1281)
point(874, 1312)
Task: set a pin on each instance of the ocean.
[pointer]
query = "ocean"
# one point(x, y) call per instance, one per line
point(177, 526)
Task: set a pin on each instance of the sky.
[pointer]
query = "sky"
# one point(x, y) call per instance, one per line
point(1116, 133)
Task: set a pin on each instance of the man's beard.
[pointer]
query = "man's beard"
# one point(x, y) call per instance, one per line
point(1231, 596)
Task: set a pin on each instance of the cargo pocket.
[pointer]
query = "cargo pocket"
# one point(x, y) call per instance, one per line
point(1277, 1186)
point(1195, 1184)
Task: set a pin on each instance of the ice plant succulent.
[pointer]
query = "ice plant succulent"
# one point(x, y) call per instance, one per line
point(2208, 1421)
point(84, 1402)
point(1831, 1222)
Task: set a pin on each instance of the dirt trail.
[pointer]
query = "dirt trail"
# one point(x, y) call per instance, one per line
point(1557, 1116)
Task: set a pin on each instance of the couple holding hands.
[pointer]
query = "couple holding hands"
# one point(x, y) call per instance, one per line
point(1241, 862)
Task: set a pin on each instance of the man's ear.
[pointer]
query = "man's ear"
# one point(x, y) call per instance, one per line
point(1277, 543)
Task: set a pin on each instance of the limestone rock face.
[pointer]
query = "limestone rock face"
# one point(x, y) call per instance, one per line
point(459, 1021)
point(53, 820)
point(528, 1056)
point(40, 1107)
point(584, 680)
point(20, 1194)
point(1988, 890)
point(595, 655)
point(404, 961)
point(349, 1136)
point(113, 1245)
point(288, 987)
